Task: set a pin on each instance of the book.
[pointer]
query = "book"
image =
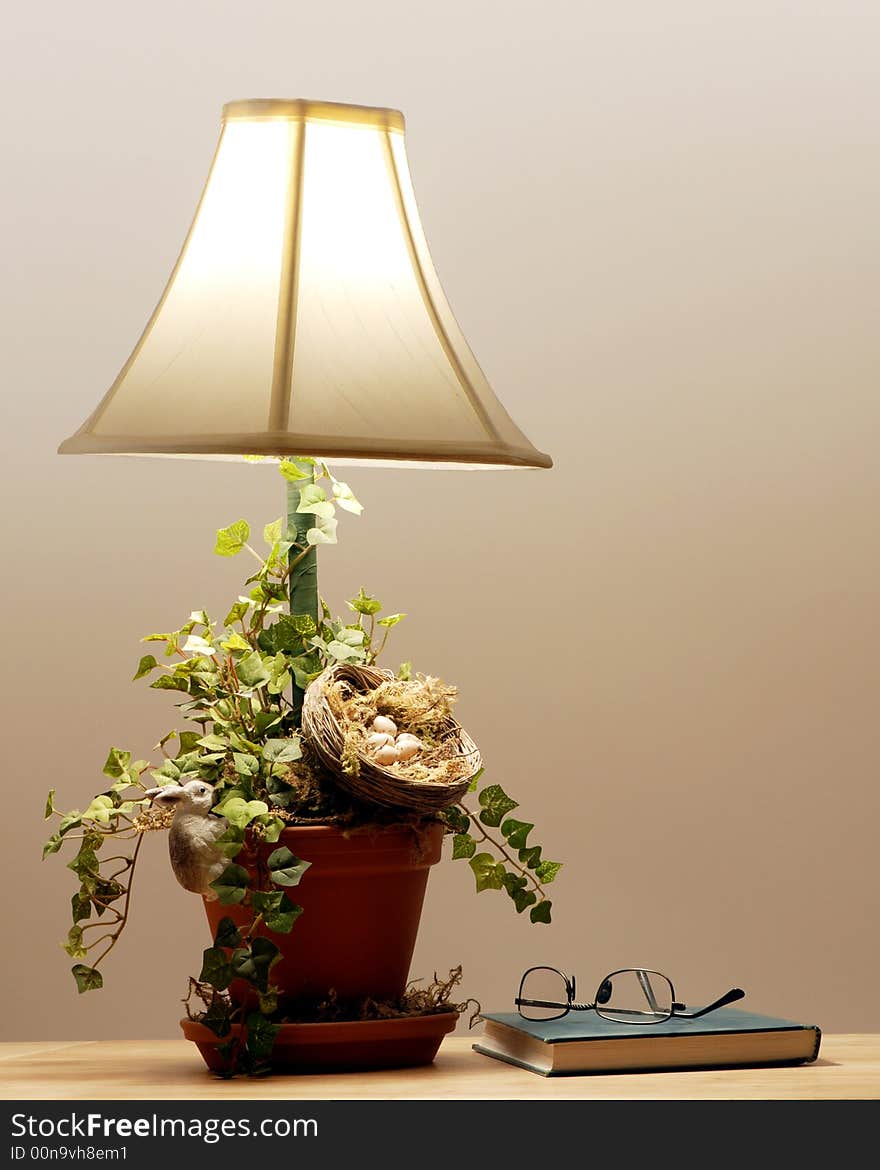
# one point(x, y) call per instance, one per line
point(583, 1042)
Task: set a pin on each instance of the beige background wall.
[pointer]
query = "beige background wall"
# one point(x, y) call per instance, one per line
point(657, 223)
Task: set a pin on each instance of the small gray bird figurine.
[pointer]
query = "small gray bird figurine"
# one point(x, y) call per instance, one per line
point(195, 861)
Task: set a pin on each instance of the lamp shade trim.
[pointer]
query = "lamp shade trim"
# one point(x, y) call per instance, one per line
point(304, 110)
point(283, 444)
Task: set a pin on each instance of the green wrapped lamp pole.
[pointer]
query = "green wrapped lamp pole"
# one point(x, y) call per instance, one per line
point(303, 581)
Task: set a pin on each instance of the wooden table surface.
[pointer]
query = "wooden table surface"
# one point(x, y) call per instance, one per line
point(848, 1067)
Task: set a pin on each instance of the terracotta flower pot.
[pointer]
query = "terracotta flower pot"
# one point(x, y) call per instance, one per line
point(362, 899)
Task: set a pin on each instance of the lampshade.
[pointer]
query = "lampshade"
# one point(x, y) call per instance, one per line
point(304, 314)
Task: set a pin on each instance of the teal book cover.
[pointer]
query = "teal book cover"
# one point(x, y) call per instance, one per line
point(589, 1026)
point(583, 1042)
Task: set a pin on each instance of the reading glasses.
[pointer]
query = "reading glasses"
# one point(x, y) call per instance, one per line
point(632, 995)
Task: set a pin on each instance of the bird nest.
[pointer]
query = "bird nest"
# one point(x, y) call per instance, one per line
point(339, 711)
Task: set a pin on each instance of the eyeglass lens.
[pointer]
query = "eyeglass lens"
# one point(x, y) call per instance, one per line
point(545, 992)
point(635, 996)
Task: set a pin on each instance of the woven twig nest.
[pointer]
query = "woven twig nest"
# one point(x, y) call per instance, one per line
point(338, 711)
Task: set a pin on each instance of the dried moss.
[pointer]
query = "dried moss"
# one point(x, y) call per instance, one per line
point(433, 999)
point(421, 706)
point(436, 998)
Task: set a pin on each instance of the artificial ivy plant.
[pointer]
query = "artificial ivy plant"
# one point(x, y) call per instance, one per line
point(241, 682)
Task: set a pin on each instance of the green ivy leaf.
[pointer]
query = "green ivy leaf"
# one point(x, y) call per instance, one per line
point(227, 934)
point(392, 619)
point(245, 765)
point(87, 978)
point(287, 634)
point(523, 898)
point(214, 743)
point(496, 804)
point(107, 890)
point(541, 912)
point(218, 1017)
point(345, 498)
point(281, 919)
point(265, 901)
point(313, 500)
point(85, 866)
point(305, 668)
point(74, 945)
point(231, 885)
point(231, 842)
point(117, 763)
point(405, 671)
point(281, 794)
point(530, 856)
point(50, 804)
point(547, 871)
point(261, 1035)
point(345, 652)
point(80, 906)
point(302, 623)
point(268, 1001)
point(488, 872)
point(324, 531)
point(101, 810)
point(254, 962)
point(282, 751)
point(285, 869)
point(170, 682)
point(199, 646)
point(237, 612)
point(457, 819)
point(72, 820)
point(273, 827)
point(279, 675)
point(240, 812)
point(516, 832)
point(52, 845)
point(235, 642)
point(350, 635)
point(272, 532)
point(146, 664)
point(463, 845)
point(231, 540)
point(216, 967)
point(364, 603)
point(252, 670)
point(291, 472)
point(167, 770)
point(279, 913)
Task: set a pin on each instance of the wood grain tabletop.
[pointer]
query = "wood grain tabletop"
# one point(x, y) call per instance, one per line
point(848, 1067)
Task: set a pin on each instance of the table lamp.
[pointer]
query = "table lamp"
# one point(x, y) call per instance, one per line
point(304, 322)
point(304, 316)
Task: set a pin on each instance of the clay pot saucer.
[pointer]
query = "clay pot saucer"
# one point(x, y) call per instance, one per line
point(347, 1045)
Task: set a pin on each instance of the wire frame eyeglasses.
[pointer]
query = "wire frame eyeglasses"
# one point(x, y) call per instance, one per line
point(632, 995)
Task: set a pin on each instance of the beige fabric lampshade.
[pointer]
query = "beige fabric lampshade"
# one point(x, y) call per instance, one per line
point(304, 314)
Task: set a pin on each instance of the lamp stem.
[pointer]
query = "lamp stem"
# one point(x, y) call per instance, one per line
point(303, 582)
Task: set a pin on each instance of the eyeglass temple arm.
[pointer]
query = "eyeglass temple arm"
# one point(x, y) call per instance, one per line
point(731, 996)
